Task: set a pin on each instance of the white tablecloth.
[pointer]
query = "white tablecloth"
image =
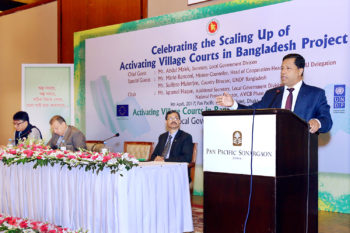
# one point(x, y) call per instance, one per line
point(151, 198)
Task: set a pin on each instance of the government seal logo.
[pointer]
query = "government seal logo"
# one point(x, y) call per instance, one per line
point(212, 27)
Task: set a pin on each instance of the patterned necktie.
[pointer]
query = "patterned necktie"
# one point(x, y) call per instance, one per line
point(167, 147)
point(289, 99)
point(59, 140)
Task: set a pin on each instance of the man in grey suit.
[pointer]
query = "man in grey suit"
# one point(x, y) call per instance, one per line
point(64, 135)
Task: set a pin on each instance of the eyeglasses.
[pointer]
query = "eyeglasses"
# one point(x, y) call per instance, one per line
point(18, 123)
point(173, 118)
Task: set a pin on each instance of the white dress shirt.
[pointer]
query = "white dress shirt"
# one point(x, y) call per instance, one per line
point(295, 94)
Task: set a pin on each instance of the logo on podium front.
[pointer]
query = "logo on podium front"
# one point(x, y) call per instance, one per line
point(237, 138)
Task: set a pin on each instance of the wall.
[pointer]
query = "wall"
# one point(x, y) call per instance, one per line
point(161, 7)
point(79, 15)
point(27, 36)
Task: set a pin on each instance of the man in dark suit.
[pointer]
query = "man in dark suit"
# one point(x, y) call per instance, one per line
point(65, 135)
point(24, 129)
point(308, 102)
point(174, 145)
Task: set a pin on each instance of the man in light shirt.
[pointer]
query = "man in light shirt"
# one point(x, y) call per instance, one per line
point(308, 102)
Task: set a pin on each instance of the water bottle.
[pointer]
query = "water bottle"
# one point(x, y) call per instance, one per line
point(63, 145)
point(10, 144)
point(104, 149)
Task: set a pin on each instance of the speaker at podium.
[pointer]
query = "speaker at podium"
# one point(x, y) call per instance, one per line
point(284, 174)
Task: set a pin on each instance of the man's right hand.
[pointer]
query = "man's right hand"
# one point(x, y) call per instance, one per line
point(159, 158)
point(225, 100)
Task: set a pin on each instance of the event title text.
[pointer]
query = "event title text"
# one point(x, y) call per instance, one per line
point(173, 54)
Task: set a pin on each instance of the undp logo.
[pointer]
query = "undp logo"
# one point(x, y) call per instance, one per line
point(212, 27)
point(339, 97)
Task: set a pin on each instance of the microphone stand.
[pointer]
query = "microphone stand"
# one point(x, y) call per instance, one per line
point(115, 135)
point(274, 98)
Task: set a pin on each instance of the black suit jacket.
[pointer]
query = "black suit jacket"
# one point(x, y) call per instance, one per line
point(181, 149)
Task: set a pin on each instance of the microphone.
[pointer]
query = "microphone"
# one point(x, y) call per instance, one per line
point(115, 135)
point(278, 91)
point(104, 142)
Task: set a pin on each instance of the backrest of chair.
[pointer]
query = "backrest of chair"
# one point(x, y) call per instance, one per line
point(141, 150)
point(94, 145)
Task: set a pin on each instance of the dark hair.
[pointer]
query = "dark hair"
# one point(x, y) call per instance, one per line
point(170, 112)
point(21, 115)
point(57, 118)
point(299, 60)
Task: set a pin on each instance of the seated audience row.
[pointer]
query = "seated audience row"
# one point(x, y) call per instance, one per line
point(174, 145)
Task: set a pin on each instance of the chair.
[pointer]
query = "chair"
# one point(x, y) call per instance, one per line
point(192, 165)
point(95, 146)
point(141, 150)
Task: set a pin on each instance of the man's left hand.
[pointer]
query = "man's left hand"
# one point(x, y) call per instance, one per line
point(314, 125)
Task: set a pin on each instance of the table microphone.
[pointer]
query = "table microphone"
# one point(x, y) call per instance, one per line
point(104, 141)
point(115, 135)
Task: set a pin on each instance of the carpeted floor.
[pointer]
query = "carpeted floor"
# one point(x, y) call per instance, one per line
point(328, 221)
point(197, 215)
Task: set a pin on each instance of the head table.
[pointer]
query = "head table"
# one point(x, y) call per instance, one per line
point(151, 198)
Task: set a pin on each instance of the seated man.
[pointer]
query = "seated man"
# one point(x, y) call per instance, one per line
point(65, 135)
point(23, 128)
point(174, 145)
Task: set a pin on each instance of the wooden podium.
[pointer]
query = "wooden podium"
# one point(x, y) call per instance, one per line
point(285, 182)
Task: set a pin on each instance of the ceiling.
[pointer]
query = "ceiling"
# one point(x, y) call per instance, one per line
point(10, 4)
